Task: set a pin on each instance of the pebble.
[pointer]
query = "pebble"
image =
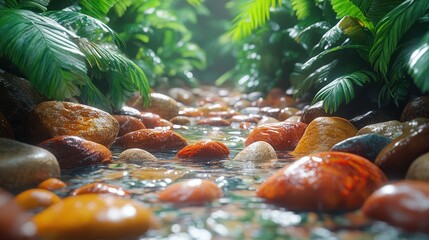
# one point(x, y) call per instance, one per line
point(128, 124)
point(181, 120)
point(36, 198)
point(213, 121)
point(419, 169)
point(191, 191)
point(416, 108)
point(101, 188)
point(391, 129)
point(52, 184)
point(286, 113)
point(204, 150)
point(136, 156)
point(256, 152)
point(267, 120)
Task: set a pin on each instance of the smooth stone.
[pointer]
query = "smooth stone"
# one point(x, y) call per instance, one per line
point(73, 151)
point(93, 216)
point(213, 121)
point(367, 145)
point(128, 124)
point(52, 184)
point(191, 112)
point(36, 198)
point(257, 152)
point(250, 110)
point(395, 159)
point(325, 181)
point(391, 129)
point(419, 169)
point(282, 136)
point(241, 104)
point(152, 140)
point(253, 96)
point(270, 112)
point(5, 128)
point(404, 204)
point(294, 119)
point(286, 113)
point(191, 191)
point(181, 120)
point(314, 111)
point(223, 114)
point(416, 108)
point(373, 117)
point(53, 118)
point(160, 104)
point(150, 120)
point(182, 95)
point(23, 165)
point(136, 156)
point(267, 120)
point(204, 150)
point(322, 134)
point(245, 118)
point(101, 188)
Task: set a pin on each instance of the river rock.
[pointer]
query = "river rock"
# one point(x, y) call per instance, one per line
point(391, 129)
point(204, 150)
point(182, 95)
point(191, 191)
point(223, 114)
point(191, 112)
point(367, 145)
point(322, 134)
point(73, 151)
point(270, 112)
point(259, 151)
point(419, 169)
point(325, 181)
point(416, 108)
point(282, 136)
point(245, 118)
point(5, 128)
point(314, 111)
point(373, 117)
point(181, 120)
point(128, 124)
point(101, 188)
point(52, 119)
point(93, 216)
point(163, 105)
point(17, 98)
point(23, 165)
point(213, 121)
point(52, 184)
point(397, 156)
point(267, 120)
point(136, 156)
point(36, 198)
point(286, 113)
point(404, 204)
point(152, 140)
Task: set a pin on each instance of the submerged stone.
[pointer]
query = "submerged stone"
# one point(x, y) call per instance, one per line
point(136, 156)
point(213, 121)
point(204, 150)
point(152, 140)
point(128, 124)
point(257, 152)
point(191, 191)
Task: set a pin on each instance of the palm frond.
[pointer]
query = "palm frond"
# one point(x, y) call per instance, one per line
point(97, 9)
point(348, 8)
point(316, 78)
point(342, 90)
point(124, 75)
point(391, 29)
point(303, 8)
point(35, 5)
point(309, 36)
point(358, 34)
point(84, 25)
point(254, 15)
point(375, 10)
point(43, 51)
point(418, 65)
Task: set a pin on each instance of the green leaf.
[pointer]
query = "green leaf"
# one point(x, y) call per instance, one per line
point(391, 29)
point(348, 8)
point(96, 8)
point(43, 51)
point(303, 8)
point(35, 5)
point(418, 66)
point(342, 90)
point(375, 10)
point(315, 79)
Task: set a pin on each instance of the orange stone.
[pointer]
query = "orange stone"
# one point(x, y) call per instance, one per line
point(150, 120)
point(213, 121)
point(93, 216)
point(36, 198)
point(204, 150)
point(326, 181)
point(101, 188)
point(191, 112)
point(152, 140)
point(282, 136)
point(52, 184)
point(72, 151)
point(128, 124)
point(245, 118)
point(322, 134)
point(191, 191)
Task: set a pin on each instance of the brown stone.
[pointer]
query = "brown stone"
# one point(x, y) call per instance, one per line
point(181, 120)
point(136, 156)
point(52, 119)
point(128, 124)
point(213, 121)
point(286, 113)
point(163, 105)
point(152, 140)
point(416, 108)
point(204, 150)
point(191, 191)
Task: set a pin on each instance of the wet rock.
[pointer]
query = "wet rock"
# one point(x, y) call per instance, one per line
point(286, 113)
point(403, 204)
point(181, 120)
point(314, 111)
point(322, 134)
point(223, 114)
point(52, 119)
point(15, 224)
point(182, 95)
point(251, 110)
point(157, 174)
point(282, 136)
point(191, 191)
point(150, 120)
point(101, 188)
point(5, 128)
point(257, 152)
point(326, 181)
point(373, 117)
point(163, 105)
point(391, 129)
point(23, 165)
point(246, 125)
point(416, 108)
point(413, 125)
point(367, 145)
point(213, 107)
point(270, 112)
point(204, 150)
point(267, 120)
point(245, 118)
point(419, 169)
point(136, 156)
point(93, 216)
point(128, 124)
point(152, 140)
point(17, 98)
point(36, 198)
point(213, 121)
point(73, 151)
point(395, 159)
point(165, 124)
point(52, 184)
point(191, 112)
point(241, 104)
point(293, 119)
point(253, 96)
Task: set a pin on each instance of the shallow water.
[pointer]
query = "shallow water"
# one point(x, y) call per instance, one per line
point(239, 214)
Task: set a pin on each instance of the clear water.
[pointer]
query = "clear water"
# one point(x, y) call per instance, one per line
point(239, 214)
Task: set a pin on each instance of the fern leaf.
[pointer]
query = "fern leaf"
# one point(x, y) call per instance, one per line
point(254, 15)
point(342, 90)
point(43, 51)
point(391, 29)
point(348, 8)
point(97, 9)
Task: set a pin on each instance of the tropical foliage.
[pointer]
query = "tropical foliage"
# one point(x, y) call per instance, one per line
point(349, 45)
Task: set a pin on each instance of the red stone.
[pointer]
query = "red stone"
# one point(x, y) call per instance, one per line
point(403, 204)
point(283, 136)
point(213, 121)
point(72, 151)
point(101, 188)
point(204, 150)
point(152, 140)
point(128, 124)
point(325, 181)
point(191, 191)
point(150, 120)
